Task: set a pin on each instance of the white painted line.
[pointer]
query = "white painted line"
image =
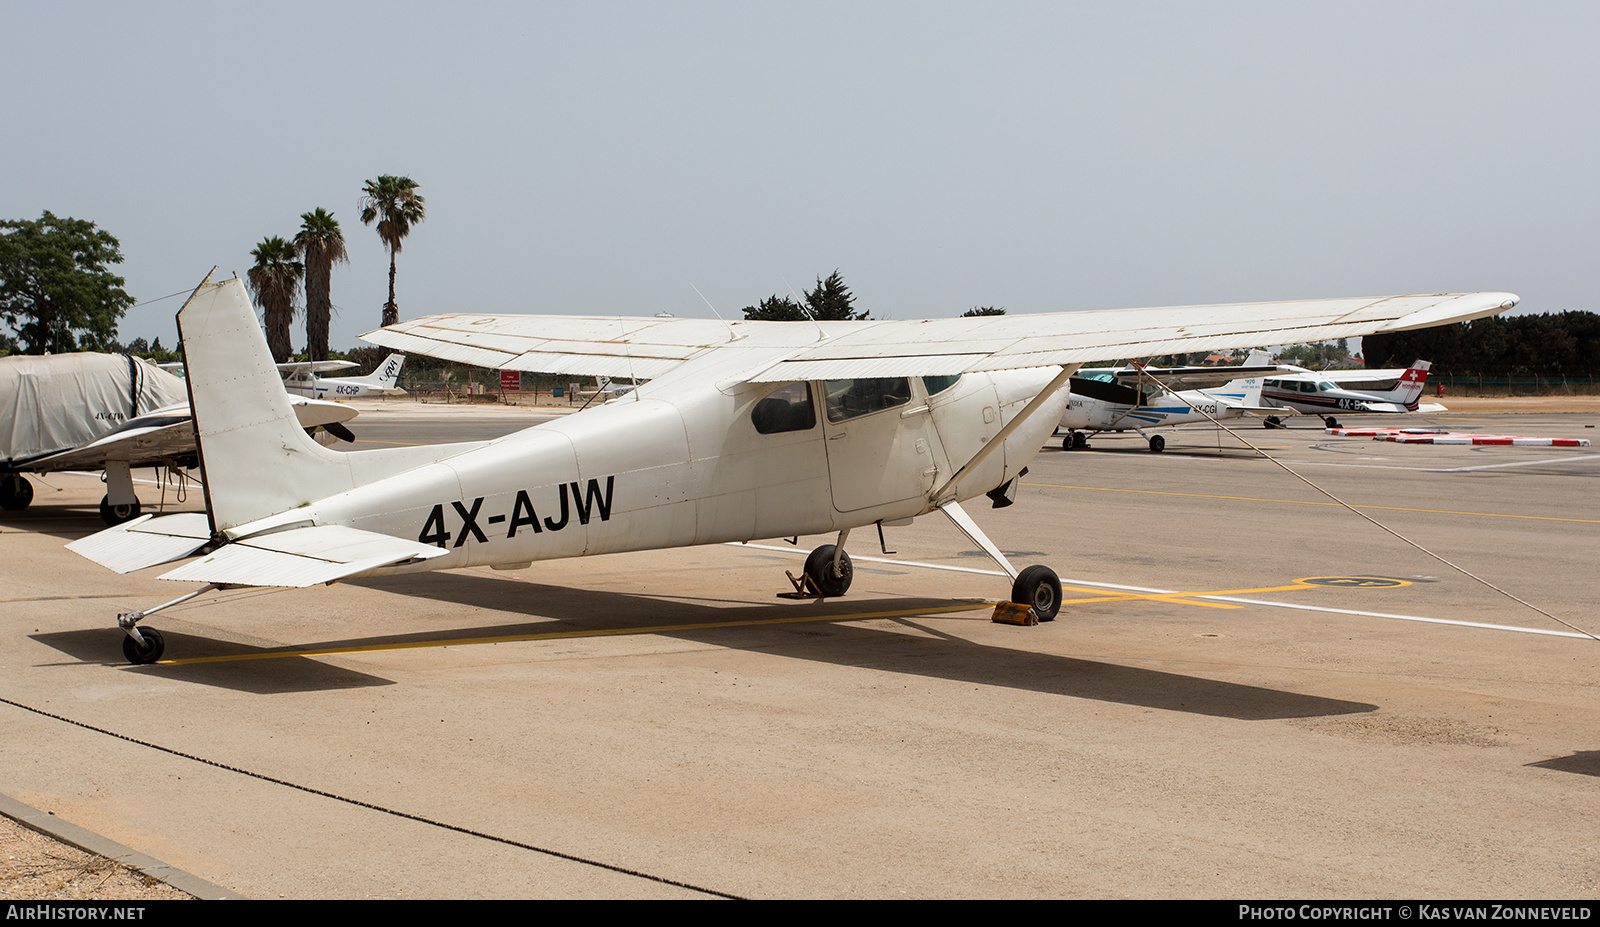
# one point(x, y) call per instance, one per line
point(1095, 584)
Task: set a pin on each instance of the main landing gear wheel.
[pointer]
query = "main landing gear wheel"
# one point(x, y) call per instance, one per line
point(114, 515)
point(15, 493)
point(1075, 441)
point(154, 644)
point(1039, 588)
point(1330, 421)
point(819, 569)
point(1272, 422)
point(1157, 444)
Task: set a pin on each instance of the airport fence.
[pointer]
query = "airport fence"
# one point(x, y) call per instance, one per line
point(1514, 386)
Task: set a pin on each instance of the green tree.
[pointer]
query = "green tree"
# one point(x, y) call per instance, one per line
point(56, 293)
point(983, 310)
point(776, 309)
point(275, 283)
point(829, 300)
point(393, 203)
point(319, 245)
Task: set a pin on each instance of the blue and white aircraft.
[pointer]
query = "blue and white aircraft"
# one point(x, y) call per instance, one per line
point(301, 379)
point(1139, 397)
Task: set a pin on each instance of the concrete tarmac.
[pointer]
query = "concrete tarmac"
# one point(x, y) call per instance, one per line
point(1251, 692)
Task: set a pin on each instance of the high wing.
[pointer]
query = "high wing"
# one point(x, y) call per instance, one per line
point(1357, 375)
point(316, 366)
point(646, 348)
point(1176, 378)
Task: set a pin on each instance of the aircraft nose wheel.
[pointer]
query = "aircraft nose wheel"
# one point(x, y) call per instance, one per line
point(1039, 588)
point(154, 645)
point(1157, 444)
point(819, 568)
point(1272, 421)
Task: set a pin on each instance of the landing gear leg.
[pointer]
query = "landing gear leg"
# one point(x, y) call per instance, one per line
point(1036, 587)
point(119, 504)
point(145, 645)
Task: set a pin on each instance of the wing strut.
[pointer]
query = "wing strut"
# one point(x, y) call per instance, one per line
point(959, 517)
point(946, 493)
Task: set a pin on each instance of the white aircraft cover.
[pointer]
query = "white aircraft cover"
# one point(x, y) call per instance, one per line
point(61, 401)
point(646, 348)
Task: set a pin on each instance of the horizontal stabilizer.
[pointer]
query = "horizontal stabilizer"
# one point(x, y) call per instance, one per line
point(302, 557)
point(145, 542)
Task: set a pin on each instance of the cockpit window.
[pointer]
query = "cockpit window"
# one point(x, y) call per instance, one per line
point(848, 399)
point(936, 385)
point(786, 409)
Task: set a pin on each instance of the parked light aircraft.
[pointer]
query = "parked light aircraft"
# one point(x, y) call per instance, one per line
point(743, 430)
point(1139, 397)
point(1319, 393)
point(301, 379)
point(112, 413)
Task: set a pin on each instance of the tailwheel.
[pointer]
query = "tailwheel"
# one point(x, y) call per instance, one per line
point(819, 569)
point(154, 645)
point(1039, 588)
point(114, 515)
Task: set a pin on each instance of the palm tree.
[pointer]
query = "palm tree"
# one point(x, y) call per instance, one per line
point(275, 282)
point(394, 204)
point(320, 244)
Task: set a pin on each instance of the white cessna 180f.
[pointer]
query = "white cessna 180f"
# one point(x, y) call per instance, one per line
point(744, 430)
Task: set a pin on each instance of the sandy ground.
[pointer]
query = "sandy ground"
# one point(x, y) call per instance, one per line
point(39, 868)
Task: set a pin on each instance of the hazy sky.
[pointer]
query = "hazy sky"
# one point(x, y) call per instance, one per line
point(598, 158)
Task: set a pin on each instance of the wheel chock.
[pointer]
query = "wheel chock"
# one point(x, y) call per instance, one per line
point(802, 587)
point(1014, 613)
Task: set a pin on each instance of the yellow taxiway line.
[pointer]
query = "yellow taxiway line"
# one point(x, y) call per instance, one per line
point(1186, 598)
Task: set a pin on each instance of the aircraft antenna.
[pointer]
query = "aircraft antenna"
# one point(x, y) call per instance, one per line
point(731, 335)
point(821, 335)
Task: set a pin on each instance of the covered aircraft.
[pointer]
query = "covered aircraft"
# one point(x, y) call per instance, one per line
point(744, 430)
point(108, 412)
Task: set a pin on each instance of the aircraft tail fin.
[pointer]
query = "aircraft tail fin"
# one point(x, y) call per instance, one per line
point(1260, 357)
point(1409, 390)
point(256, 458)
point(388, 372)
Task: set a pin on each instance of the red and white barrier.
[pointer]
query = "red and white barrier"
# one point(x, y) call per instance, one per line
point(1429, 436)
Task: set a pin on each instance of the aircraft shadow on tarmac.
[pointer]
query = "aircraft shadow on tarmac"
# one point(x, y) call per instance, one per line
point(925, 652)
point(1582, 762)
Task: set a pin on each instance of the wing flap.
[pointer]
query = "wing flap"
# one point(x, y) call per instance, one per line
point(302, 557)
